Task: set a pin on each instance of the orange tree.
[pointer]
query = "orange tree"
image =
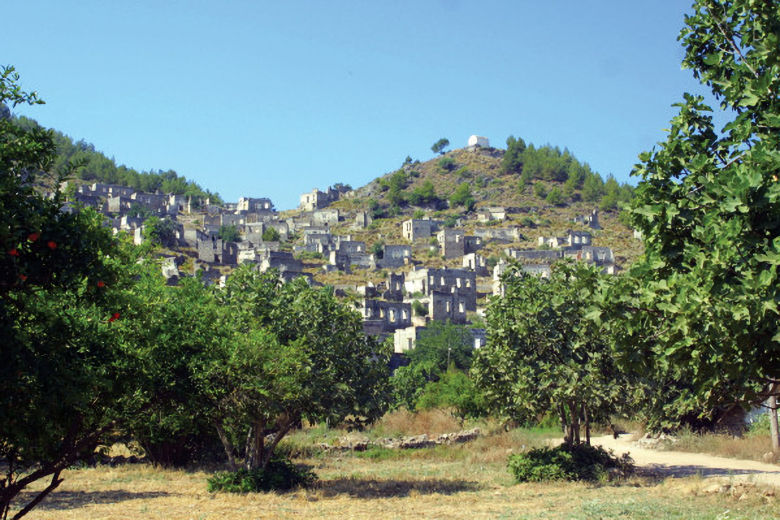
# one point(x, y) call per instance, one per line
point(64, 298)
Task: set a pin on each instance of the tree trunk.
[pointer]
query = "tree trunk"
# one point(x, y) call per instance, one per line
point(277, 437)
point(564, 424)
point(587, 424)
point(228, 446)
point(772, 411)
point(255, 448)
point(574, 410)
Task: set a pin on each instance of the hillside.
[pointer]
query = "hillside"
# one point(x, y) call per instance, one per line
point(95, 166)
point(542, 190)
point(424, 189)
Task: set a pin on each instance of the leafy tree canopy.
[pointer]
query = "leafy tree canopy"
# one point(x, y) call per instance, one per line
point(229, 233)
point(440, 145)
point(702, 304)
point(462, 197)
point(65, 292)
point(543, 354)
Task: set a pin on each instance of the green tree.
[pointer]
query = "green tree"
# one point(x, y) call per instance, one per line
point(703, 303)
point(512, 161)
point(440, 145)
point(305, 357)
point(139, 211)
point(229, 233)
point(67, 371)
point(254, 359)
point(543, 354)
point(439, 346)
point(423, 194)
point(160, 231)
point(462, 197)
point(419, 309)
point(555, 197)
point(593, 187)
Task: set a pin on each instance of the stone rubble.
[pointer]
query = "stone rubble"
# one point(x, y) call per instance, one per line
point(412, 442)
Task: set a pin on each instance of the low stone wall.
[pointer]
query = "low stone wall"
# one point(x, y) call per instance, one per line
point(412, 442)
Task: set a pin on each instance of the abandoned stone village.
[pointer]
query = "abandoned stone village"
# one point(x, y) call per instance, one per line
point(413, 291)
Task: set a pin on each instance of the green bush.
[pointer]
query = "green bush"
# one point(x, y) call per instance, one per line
point(759, 426)
point(463, 172)
point(419, 309)
point(449, 222)
point(271, 235)
point(446, 164)
point(540, 190)
point(528, 222)
point(454, 390)
point(309, 255)
point(281, 474)
point(554, 197)
point(567, 462)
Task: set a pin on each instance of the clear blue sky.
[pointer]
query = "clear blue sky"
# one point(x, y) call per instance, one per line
point(260, 98)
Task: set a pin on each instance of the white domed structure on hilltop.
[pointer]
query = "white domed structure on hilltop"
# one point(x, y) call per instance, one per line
point(478, 140)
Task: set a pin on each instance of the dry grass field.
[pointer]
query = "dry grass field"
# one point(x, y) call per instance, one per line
point(352, 487)
point(464, 481)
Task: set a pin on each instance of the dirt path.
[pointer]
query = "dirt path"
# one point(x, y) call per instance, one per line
point(681, 464)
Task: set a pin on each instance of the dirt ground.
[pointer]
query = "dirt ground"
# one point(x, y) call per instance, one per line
point(682, 464)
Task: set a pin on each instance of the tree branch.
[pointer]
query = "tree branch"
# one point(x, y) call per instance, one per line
point(732, 44)
point(55, 481)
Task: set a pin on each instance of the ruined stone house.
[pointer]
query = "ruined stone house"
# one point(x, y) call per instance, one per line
point(393, 256)
point(427, 281)
point(390, 315)
point(254, 205)
point(475, 262)
point(491, 214)
point(217, 251)
point(415, 229)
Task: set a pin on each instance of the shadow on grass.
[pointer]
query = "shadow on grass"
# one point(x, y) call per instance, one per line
point(60, 500)
point(372, 488)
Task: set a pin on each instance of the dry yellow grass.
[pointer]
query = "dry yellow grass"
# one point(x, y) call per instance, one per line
point(464, 481)
point(358, 488)
point(403, 422)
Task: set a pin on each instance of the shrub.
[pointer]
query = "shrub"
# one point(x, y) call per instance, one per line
point(528, 222)
point(462, 197)
point(229, 233)
point(279, 475)
point(449, 222)
point(453, 390)
point(567, 462)
point(271, 235)
point(446, 164)
point(309, 255)
point(463, 172)
point(555, 197)
point(419, 309)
